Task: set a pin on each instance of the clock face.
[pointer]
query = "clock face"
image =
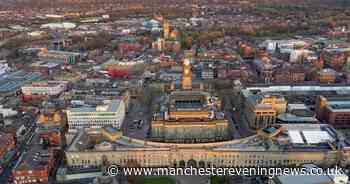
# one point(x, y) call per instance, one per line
point(187, 62)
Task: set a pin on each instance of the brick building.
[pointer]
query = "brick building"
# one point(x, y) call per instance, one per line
point(37, 164)
point(334, 110)
point(7, 142)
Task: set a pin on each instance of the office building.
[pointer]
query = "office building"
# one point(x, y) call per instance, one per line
point(261, 110)
point(111, 113)
point(334, 110)
point(37, 90)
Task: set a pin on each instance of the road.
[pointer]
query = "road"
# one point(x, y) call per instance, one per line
point(137, 111)
point(239, 126)
point(20, 148)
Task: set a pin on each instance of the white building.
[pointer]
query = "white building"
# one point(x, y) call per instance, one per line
point(336, 178)
point(50, 88)
point(296, 55)
point(285, 46)
point(111, 113)
point(7, 112)
point(4, 67)
point(59, 25)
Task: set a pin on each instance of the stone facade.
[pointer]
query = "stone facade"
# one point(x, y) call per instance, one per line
point(245, 152)
point(201, 157)
point(211, 131)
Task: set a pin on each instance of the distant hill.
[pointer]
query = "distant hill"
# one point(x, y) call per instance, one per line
point(21, 3)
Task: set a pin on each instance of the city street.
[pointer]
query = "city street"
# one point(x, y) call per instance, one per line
point(239, 127)
point(137, 111)
point(20, 149)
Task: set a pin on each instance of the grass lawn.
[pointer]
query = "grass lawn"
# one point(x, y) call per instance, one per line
point(217, 180)
point(159, 180)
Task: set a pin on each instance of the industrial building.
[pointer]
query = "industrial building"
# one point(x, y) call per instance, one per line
point(60, 56)
point(10, 83)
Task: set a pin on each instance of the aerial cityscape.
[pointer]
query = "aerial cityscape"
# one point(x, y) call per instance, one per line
point(174, 91)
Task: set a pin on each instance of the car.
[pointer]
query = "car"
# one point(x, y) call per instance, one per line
point(140, 124)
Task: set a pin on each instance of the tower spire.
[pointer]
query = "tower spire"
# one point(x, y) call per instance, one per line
point(187, 75)
point(166, 30)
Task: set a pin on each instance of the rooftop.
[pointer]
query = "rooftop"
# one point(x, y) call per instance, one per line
point(45, 64)
point(39, 157)
point(5, 138)
point(308, 179)
point(306, 137)
point(339, 107)
point(45, 84)
point(110, 106)
point(287, 117)
point(303, 179)
point(14, 80)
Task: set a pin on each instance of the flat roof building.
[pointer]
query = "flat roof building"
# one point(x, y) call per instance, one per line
point(12, 82)
point(59, 56)
point(311, 179)
point(111, 113)
point(261, 110)
point(271, 147)
point(44, 88)
point(334, 110)
point(35, 165)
